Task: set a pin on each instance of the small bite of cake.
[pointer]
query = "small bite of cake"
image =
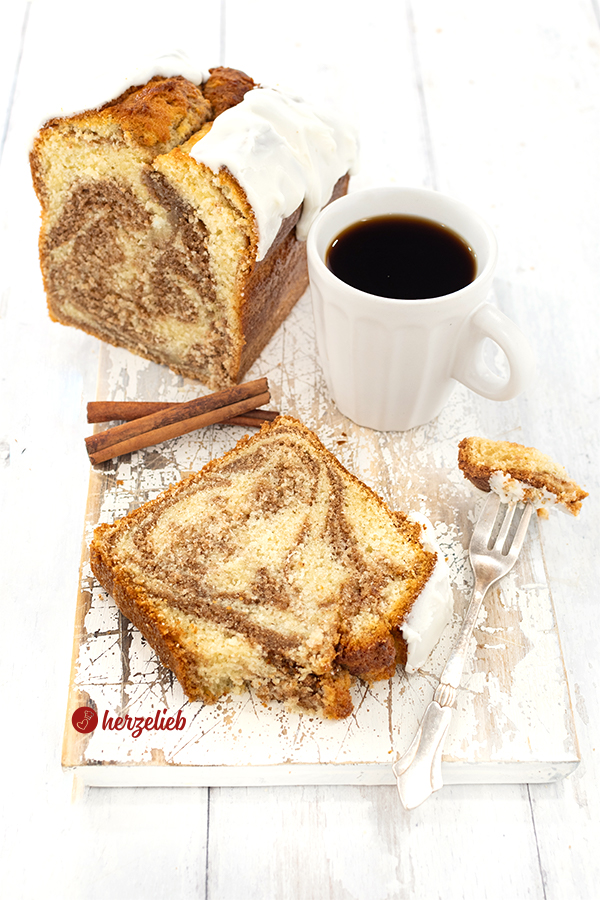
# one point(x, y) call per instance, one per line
point(519, 474)
point(174, 216)
point(275, 569)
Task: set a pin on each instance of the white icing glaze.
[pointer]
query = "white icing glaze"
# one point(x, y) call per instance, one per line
point(283, 152)
point(511, 490)
point(93, 92)
point(432, 610)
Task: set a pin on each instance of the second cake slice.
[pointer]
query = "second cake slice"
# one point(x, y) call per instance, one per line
point(272, 568)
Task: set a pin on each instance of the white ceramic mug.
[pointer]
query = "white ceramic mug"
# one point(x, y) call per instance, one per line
point(392, 364)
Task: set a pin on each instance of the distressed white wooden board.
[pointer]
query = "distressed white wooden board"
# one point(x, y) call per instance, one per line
point(513, 721)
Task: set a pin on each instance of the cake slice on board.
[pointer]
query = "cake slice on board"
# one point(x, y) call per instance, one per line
point(274, 568)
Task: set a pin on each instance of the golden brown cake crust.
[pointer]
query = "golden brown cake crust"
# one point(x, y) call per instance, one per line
point(161, 112)
point(366, 621)
point(158, 115)
point(226, 88)
point(479, 458)
point(164, 112)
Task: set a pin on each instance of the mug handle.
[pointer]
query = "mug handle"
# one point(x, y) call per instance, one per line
point(470, 367)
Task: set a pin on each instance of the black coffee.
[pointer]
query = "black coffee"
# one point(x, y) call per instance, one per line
point(402, 257)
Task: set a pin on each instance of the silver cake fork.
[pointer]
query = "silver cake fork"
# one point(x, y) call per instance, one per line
point(493, 551)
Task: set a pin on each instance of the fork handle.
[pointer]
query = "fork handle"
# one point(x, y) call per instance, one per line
point(419, 772)
point(455, 663)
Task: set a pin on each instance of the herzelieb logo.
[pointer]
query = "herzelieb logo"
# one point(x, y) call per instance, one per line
point(137, 724)
point(84, 719)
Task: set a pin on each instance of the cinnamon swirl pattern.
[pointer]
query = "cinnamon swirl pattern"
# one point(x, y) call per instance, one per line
point(272, 569)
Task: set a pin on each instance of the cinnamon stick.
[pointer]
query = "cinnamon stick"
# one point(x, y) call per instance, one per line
point(254, 421)
point(128, 410)
point(176, 420)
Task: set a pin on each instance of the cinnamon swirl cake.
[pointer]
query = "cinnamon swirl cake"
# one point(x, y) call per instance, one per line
point(517, 474)
point(275, 569)
point(174, 216)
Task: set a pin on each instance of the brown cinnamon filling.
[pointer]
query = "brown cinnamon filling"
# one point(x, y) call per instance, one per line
point(196, 549)
point(120, 293)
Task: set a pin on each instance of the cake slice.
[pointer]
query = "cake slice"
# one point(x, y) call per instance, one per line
point(174, 217)
point(518, 474)
point(275, 569)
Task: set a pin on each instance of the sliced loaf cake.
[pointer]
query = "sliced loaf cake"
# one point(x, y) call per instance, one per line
point(174, 217)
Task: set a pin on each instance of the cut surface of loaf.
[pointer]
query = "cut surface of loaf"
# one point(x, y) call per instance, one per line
point(147, 248)
point(273, 568)
point(519, 473)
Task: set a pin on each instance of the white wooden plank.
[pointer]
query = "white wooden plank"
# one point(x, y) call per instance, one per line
point(14, 21)
point(318, 842)
point(143, 844)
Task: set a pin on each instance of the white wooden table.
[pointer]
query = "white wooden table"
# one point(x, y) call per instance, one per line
point(498, 105)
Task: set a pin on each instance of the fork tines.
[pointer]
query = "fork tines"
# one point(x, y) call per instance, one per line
point(501, 528)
